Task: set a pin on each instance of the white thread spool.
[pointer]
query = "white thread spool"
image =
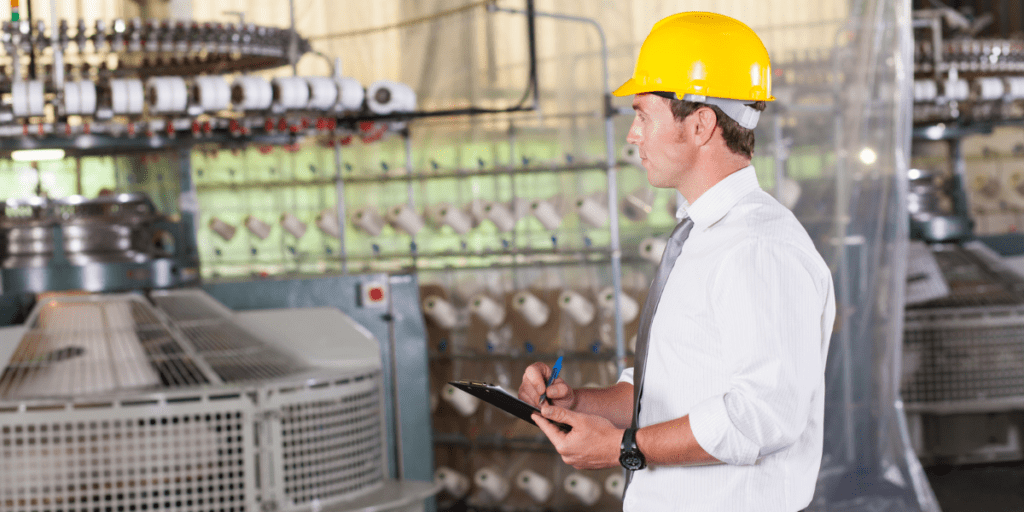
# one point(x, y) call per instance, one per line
point(478, 210)
point(537, 486)
point(350, 95)
point(532, 309)
point(290, 92)
point(652, 248)
point(629, 306)
point(1014, 87)
point(126, 96)
point(520, 208)
point(293, 225)
point(257, 227)
point(327, 222)
point(460, 221)
point(451, 481)
point(499, 340)
point(323, 92)
point(615, 485)
point(583, 488)
point(547, 214)
point(368, 220)
point(211, 93)
point(956, 89)
point(251, 93)
point(432, 214)
point(225, 230)
point(501, 216)
point(580, 309)
point(491, 481)
point(28, 98)
point(465, 403)
point(167, 94)
point(405, 218)
point(79, 97)
point(631, 154)
point(592, 212)
point(386, 97)
point(925, 90)
point(637, 205)
point(789, 192)
point(989, 88)
point(487, 309)
point(440, 311)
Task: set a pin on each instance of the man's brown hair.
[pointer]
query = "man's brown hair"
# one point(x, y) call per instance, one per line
point(738, 139)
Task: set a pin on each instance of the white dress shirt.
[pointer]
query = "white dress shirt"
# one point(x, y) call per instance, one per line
point(739, 343)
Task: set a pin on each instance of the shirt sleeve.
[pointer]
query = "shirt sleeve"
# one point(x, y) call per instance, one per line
point(626, 376)
point(768, 309)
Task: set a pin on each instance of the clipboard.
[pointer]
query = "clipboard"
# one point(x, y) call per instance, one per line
point(504, 400)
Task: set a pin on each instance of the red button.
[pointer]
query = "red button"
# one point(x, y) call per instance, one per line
point(376, 294)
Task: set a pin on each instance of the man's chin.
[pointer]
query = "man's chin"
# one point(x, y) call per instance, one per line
point(655, 182)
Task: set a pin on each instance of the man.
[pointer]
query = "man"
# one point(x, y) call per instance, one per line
point(730, 364)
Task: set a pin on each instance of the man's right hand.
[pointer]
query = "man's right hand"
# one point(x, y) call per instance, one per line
point(535, 380)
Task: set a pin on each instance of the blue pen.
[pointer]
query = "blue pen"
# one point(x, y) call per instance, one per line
point(554, 375)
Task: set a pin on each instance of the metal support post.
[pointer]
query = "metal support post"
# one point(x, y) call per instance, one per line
point(339, 191)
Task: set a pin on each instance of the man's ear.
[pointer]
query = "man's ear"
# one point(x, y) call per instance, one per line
point(707, 121)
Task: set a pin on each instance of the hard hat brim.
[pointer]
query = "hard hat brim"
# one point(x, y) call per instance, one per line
point(632, 86)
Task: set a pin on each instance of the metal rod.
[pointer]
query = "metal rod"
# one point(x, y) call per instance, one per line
point(410, 197)
point(532, 41)
point(339, 191)
point(58, 51)
point(16, 56)
point(959, 168)
point(595, 166)
point(293, 45)
point(31, 42)
point(395, 399)
point(843, 288)
point(78, 175)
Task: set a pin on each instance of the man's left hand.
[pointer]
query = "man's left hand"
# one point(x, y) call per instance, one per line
point(593, 442)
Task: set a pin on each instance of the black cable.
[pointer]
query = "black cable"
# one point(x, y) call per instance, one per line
point(532, 88)
point(31, 42)
point(531, 33)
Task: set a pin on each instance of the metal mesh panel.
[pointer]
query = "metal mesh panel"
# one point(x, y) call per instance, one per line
point(180, 457)
point(964, 355)
point(231, 352)
point(185, 308)
point(972, 281)
point(84, 345)
point(332, 448)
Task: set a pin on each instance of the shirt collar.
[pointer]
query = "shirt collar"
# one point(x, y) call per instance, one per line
point(713, 204)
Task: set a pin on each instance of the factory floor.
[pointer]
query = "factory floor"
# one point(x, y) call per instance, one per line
point(979, 488)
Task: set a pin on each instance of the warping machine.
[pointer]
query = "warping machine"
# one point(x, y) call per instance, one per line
point(171, 401)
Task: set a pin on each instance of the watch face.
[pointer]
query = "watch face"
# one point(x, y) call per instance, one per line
point(631, 461)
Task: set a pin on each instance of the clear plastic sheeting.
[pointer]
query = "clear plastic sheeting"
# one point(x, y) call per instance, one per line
point(854, 209)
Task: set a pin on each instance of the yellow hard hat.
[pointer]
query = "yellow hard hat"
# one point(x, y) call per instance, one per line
point(702, 54)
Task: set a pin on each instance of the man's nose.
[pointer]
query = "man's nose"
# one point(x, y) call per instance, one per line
point(635, 134)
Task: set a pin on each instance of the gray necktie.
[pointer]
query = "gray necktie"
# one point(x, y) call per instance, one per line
point(668, 260)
